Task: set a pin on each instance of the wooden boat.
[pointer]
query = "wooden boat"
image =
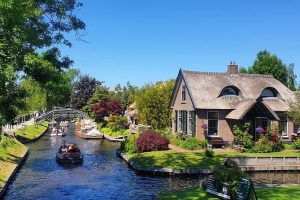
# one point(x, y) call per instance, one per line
point(69, 154)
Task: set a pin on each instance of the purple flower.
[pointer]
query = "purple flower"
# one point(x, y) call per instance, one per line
point(204, 126)
point(260, 130)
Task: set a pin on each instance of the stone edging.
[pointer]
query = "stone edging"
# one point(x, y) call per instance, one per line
point(169, 171)
point(20, 162)
point(113, 139)
point(26, 140)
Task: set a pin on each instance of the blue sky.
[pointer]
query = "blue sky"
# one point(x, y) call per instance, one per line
point(144, 41)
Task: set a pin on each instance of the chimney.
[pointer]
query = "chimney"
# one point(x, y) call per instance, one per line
point(233, 68)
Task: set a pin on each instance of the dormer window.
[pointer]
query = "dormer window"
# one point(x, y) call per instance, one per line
point(268, 93)
point(183, 94)
point(229, 91)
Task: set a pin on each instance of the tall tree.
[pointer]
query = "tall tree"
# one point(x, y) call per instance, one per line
point(266, 63)
point(291, 82)
point(152, 103)
point(25, 27)
point(294, 110)
point(83, 90)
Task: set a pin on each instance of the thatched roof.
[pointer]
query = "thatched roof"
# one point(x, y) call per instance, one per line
point(205, 90)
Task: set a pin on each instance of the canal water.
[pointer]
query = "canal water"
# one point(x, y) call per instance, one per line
point(103, 175)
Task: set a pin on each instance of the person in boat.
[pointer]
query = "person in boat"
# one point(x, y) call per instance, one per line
point(54, 130)
point(63, 147)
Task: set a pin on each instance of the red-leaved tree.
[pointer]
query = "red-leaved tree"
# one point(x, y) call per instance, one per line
point(107, 108)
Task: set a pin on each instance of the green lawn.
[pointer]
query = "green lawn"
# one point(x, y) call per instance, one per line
point(274, 193)
point(172, 159)
point(33, 131)
point(9, 158)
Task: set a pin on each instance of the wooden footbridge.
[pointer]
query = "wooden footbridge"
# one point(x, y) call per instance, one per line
point(61, 113)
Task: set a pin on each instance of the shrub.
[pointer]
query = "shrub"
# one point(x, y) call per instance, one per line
point(129, 145)
point(192, 143)
point(263, 145)
point(117, 123)
point(288, 146)
point(167, 133)
point(296, 144)
point(110, 132)
point(151, 141)
point(242, 136)
point(209, 153)
point(230, 173)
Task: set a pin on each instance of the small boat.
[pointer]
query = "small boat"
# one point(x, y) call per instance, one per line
point(69, 154)
point(58, 132)
point(64, 123)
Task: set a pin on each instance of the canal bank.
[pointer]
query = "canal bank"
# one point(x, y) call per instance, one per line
point(11, 160)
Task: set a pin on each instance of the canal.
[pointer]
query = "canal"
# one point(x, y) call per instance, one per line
point(102, 175)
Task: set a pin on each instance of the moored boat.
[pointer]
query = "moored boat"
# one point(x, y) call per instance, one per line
point(69, 154)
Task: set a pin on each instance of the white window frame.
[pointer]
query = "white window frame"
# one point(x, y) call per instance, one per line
point(287, 130)
point(218, 134)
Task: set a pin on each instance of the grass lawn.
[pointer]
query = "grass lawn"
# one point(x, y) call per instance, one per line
point(273, 193)
point(172, 159)
point(9, 158)
point(33, 131)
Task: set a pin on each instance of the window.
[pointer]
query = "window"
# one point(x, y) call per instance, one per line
point(183, 94)
point(192, 124)
point(228, 91)
point(283, 124)
point(175, 120)
point(267, 93)
point(182, 119)
point(213, 123)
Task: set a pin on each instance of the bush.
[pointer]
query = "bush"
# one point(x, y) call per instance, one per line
point(110, 132)
point(151, 141)
point(288, 146)
point(242, 136)
point(192, 143)
point(263, 145)
point(209, 153)
point(230, 173)
point(167, 133)
point(129, 145)
point(296, 144)
point(116, 123)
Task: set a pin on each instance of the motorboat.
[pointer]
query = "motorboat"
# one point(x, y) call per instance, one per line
point(58, 132)
point(69, 154)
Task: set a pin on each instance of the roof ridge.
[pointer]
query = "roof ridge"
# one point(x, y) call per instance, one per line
point(227, 74)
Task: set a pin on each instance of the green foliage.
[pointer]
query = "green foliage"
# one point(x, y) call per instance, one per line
point(101, 94)
point(294, 110)
point(296, 144)
point(129, 145)
point(230, 173)
point(165, 132)
point(152, 103)
point(116, 123)
point(6, 142)
point(192, 143)
point(83, 89)
point(266, 63)
point(289, 146)
point(263, 145)
point(28, 26)
point(209, 153)
point(242, 136)
point(110, 132)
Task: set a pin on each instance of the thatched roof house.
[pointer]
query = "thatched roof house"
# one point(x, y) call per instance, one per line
point(223, 99)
